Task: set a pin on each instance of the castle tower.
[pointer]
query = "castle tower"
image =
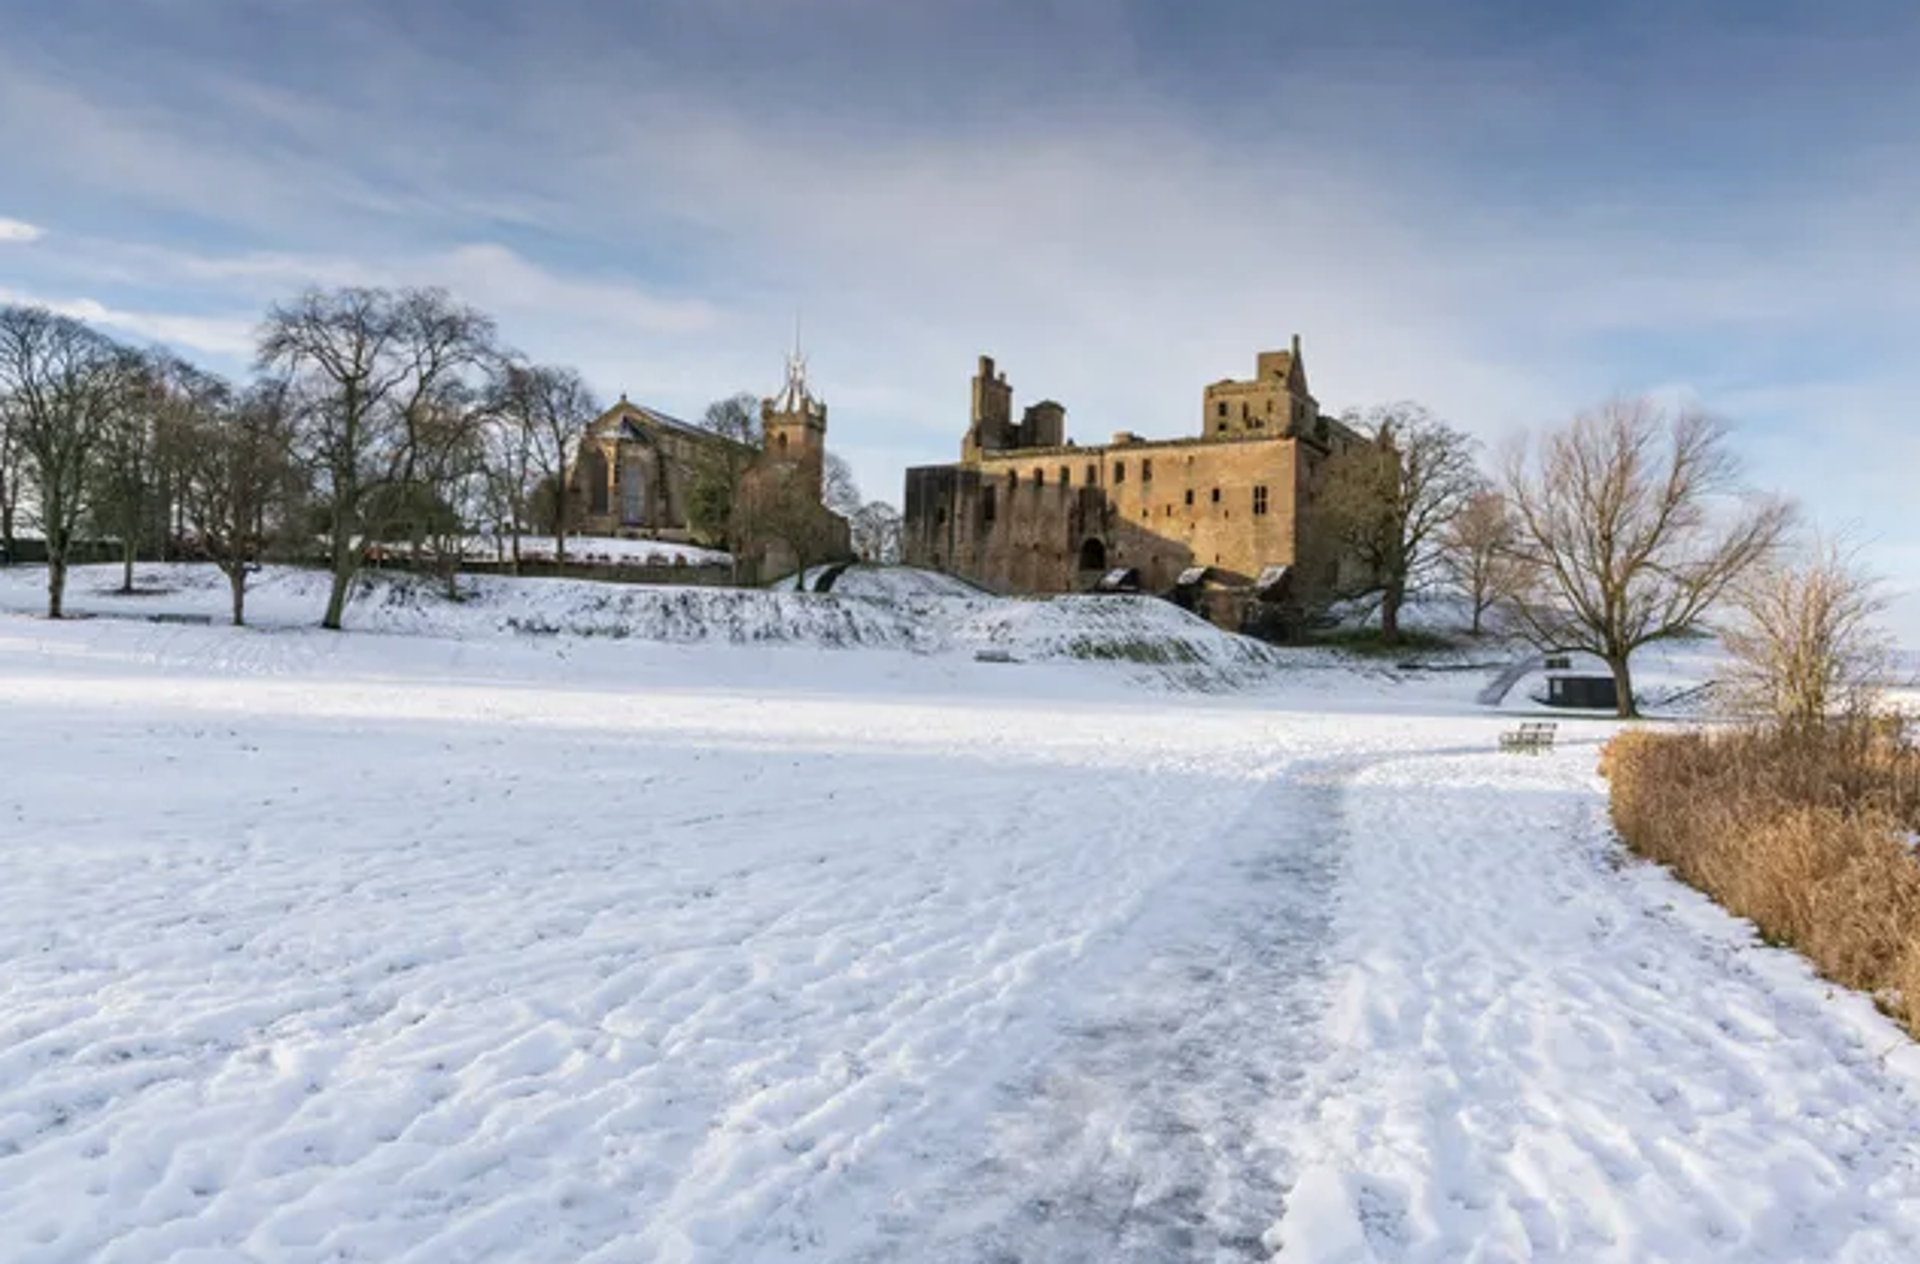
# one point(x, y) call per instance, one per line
point(794, 423)
point(992, 419)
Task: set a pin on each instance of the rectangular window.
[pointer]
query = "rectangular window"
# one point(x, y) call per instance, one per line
point(1220, 410)
point(1119, 471)
point(987, 505)
point(1216, 495)
point(1260, 500)
point(1189, 497)
point(1146, 469)
point(1066, 477)
point(1093, 475)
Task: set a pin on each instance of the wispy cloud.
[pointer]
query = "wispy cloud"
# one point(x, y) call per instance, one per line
point(18, 231)
point(223, 336)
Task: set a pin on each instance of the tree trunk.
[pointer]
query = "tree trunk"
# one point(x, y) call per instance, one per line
point(1390, 601)
point(1478, 611)
point(1623, 687)
point(344, 565)
point(127, 551)
point(337, 600)
point(237, 579)
point(56, 583)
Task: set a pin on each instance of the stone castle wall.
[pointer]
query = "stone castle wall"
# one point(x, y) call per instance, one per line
point(1018, 517)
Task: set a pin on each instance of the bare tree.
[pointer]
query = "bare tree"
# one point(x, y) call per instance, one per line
point(64, 386)
point(242, 483)
point(368, 369)
point(1633, 528)
point(718, 468)
point(876, 532)
point(838, 490)
point(1806, 643)
point(450, 474)
point(1386, 503)
point(546, 409)
point(134, 466)
point(1479, 550)
point(777, 509)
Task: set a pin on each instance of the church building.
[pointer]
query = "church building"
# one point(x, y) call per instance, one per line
point(636, 467)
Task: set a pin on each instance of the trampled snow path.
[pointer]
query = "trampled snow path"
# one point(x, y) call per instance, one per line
point(318, 949)
point(1141, 1131)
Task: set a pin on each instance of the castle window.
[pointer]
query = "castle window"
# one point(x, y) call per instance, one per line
point(1066, 477)
point(1119, 471)
point(1093, 475)
point(1220, 410)
point(1260, 499)
point(987, 505)
point(1216, 495)
point(1146, 469)
point(1189, 497)
point(781, 441)
point(1039, 478)
point(1223, 427)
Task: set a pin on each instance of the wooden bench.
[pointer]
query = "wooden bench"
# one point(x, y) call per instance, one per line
point(1532, 735)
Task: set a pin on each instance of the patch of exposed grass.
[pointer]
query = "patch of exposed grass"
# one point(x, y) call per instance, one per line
point(1151, 652)
point(1367, 642)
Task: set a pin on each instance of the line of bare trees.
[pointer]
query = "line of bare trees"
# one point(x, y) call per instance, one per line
point(1627, 526)
point(376, 420)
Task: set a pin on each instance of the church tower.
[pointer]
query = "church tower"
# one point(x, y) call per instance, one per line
point(794, 424)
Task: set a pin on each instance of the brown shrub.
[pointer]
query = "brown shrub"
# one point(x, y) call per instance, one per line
point(1804, 836)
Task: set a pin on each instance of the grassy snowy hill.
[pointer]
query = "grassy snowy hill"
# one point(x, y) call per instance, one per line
point(887, 608)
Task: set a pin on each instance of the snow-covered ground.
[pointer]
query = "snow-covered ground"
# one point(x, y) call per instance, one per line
point(879, 607)
point(436, 943)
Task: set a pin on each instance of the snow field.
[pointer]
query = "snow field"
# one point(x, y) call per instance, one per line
point(1536, 1055)
point(399, 947)
point(309, 962)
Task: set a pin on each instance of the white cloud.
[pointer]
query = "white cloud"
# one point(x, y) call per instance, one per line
point(19, 231)
point(225, 336)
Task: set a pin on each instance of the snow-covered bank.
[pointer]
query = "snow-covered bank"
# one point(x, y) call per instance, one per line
point(504, 947)
point(883, 608)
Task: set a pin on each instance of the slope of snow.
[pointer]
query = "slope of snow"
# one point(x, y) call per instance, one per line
point(891, 607)
point(404, 948)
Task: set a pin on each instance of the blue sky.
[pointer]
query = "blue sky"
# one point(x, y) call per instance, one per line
point(1505, 210)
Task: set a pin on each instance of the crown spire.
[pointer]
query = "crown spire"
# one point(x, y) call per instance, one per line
point(795, 396)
